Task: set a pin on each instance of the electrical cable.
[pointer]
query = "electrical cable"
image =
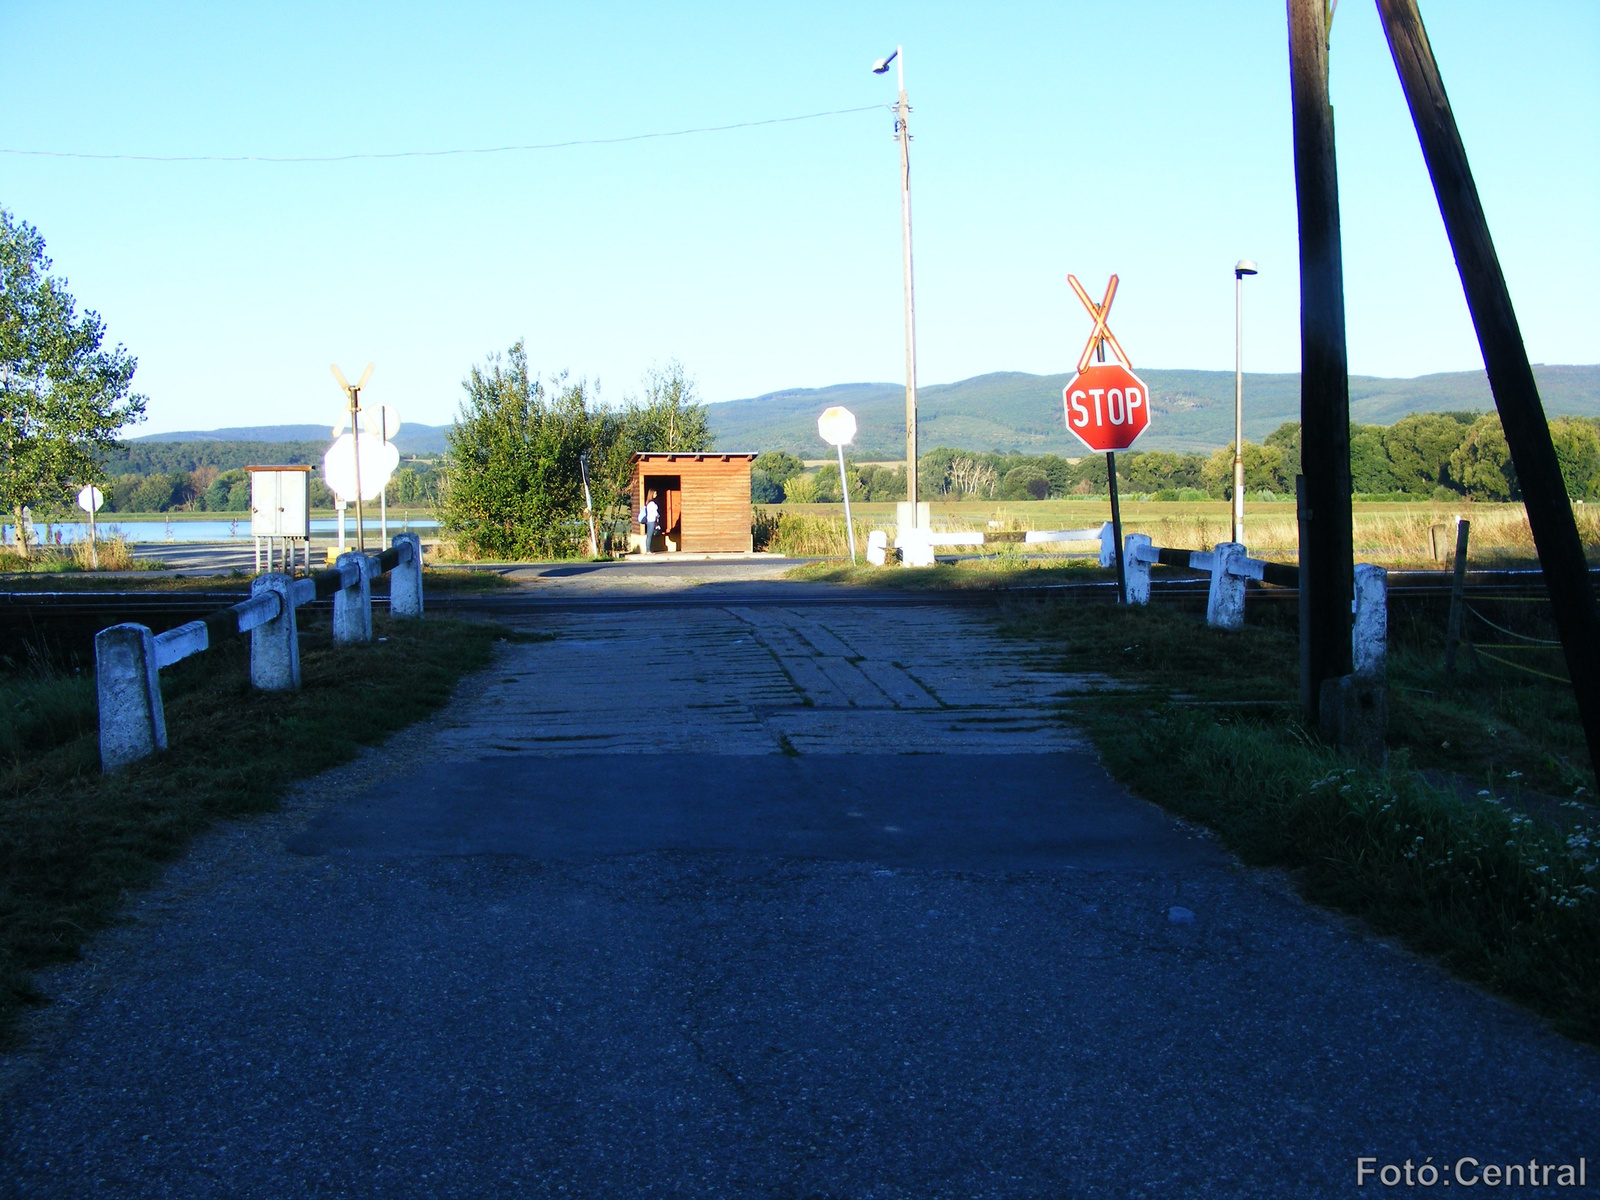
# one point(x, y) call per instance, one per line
point(336, 158)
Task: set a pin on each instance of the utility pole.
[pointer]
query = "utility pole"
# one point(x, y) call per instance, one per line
point(902, 129)
point(1329, 570)
point(1516, 394)
point(1242, 268)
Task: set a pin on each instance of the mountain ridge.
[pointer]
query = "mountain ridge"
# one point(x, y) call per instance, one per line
point(1014, 411)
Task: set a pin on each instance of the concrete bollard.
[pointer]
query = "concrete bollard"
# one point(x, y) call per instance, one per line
point(877, 547)
point(1369, 634)
point(128, 683)
point(1225, 604)
point(1137, 567)
point(1108, 545)
point(352, 604)
point(275, 646)
point(405, 581)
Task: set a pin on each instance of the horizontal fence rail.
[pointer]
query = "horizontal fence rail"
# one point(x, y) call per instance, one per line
point(1231, 567)
point(129, 658)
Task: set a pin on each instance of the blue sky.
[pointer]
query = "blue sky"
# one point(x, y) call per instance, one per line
point(1151, 139)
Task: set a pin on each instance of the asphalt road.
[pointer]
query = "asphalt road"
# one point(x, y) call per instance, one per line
point(625, 921)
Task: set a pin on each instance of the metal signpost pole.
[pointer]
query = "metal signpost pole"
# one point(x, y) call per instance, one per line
point(588, 505)
point(1241, 269)
point(355, 453)
point(844, 488)
point(383, 496)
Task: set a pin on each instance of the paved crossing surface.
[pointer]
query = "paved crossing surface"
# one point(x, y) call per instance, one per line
point(755, 902)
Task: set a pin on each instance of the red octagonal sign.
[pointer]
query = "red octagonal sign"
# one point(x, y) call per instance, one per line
point(1107, 406)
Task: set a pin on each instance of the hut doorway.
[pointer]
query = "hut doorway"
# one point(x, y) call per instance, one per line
point(668, 493)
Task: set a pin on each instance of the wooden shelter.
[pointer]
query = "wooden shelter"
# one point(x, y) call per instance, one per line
point(704, 501)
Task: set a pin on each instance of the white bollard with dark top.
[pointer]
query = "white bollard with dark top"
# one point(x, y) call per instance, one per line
point(1225, 604)
point(405, 581)
point(128, 683)
point(275, 645)
point(1369, 633)
point(352, 604)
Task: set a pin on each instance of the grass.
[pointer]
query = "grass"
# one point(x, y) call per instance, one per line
point(73, 841)
point(1476, 843)
point(1392, 535)
point(111, 554)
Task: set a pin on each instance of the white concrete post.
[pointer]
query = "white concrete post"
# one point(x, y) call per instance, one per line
point(352, 604)
point(275, 646)
point(877, 547)
point(132, 723)
point(405, 581)
point(1136, 567)
point(1369, 634)
point(1225, 604)
point(1108, 545)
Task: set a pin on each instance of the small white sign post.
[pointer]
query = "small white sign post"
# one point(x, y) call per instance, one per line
point(838, 426)
point(90, 499)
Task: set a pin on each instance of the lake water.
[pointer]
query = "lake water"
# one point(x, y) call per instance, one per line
point(208, 531)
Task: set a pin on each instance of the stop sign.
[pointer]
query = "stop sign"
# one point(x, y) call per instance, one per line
point(1107, 406)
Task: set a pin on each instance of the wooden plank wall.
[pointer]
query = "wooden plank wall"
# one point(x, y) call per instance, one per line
point(716, 498)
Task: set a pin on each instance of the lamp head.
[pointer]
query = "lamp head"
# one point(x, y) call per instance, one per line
point(1244, 267)
point(882, 65)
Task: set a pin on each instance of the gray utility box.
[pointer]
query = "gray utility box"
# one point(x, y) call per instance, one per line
point(280, 502)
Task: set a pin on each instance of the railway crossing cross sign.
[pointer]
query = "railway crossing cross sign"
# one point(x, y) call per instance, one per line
point(1107, 406)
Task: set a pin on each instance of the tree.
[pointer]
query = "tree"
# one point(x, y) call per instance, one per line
point(1263, 470)
point(1420, 449)
point(1577, 445)
point(1025, 482)
point(1370, 470)
point(1482, 463)
point(62, 396)
point(1286, 438)
point(669, 418)
point(514, 487)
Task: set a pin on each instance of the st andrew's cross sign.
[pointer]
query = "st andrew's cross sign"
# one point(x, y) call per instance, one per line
point(1107, 406)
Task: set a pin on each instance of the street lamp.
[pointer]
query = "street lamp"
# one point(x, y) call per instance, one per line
point(902, 130)
point(1240, 269)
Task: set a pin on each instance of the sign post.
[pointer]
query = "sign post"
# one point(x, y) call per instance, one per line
point(352, 395)
point(90, 499)
point(838, 426)
point(1107, 406)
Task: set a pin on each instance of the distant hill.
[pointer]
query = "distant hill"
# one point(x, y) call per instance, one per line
point(1191, 410)
point(412, 439)
point(1008, 411)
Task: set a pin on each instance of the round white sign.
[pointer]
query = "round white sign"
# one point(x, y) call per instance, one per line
point(378, 461)
point(91, 498)
point(381, 421)
point(837, 426)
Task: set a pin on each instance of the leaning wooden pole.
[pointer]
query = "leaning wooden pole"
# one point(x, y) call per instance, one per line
point(1516, 395)
point(1329, 571)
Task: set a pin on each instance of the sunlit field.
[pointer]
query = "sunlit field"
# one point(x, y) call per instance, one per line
point(1397, 535)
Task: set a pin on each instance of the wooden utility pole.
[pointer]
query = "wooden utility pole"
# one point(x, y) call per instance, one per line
point(1328, 571)
point(1516, 395)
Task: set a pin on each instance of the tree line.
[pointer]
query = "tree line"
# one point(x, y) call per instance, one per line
point(1439, 456)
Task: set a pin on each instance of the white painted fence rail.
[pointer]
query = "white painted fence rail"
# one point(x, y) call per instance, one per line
point(1230, 566)
point(129, 659)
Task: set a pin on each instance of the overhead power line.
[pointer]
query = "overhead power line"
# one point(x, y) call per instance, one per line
point(335, 158)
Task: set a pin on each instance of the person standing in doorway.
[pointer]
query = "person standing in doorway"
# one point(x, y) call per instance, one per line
point(650, 517)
